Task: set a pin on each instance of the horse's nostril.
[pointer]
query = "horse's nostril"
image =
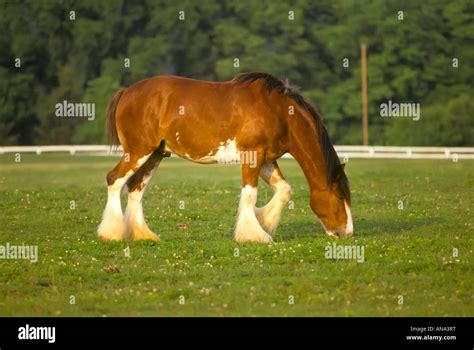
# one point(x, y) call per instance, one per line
point(343, 232)
point(340, 232)
point(332, 233)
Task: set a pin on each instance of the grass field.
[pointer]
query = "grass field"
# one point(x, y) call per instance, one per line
point(196, 270)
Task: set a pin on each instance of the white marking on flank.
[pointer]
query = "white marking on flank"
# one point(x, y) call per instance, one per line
point(226, 153)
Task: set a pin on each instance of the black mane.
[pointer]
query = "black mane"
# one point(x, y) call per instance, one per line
point(334, 169)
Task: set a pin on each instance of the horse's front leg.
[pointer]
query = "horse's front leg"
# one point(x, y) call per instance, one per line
point(269, 215)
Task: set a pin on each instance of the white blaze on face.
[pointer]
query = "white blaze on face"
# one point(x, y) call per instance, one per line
point(348, 230)
point(349, 224)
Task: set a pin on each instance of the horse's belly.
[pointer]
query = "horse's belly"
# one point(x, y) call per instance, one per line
point(224, 153)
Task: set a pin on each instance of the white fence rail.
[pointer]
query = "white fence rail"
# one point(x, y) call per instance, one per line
point(343, 151)
point(405, 152)
point(72, 149)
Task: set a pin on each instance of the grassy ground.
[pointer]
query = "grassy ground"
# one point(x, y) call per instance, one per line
point(408, 253)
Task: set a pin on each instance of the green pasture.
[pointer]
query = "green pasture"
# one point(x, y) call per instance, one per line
point(412, 217)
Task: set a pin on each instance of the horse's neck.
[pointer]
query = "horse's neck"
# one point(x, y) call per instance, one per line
point(305, 148)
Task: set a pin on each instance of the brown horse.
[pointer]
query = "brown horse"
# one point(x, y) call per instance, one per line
point(253, 119)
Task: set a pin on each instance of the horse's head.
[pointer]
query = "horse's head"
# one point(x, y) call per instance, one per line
point(332, 205)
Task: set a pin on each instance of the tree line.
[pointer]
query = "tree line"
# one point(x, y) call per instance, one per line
point(419, 52)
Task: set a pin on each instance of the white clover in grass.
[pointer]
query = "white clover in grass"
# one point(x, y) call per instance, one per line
point(126, 252)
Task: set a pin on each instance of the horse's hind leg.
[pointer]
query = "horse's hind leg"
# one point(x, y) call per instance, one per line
point(247, 227)
point(112, 226)
point(136, 227)
point(269, 215)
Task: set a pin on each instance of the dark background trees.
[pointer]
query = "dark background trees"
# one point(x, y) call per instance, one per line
point(409, 60)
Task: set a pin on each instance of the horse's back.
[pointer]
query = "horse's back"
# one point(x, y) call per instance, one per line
point(198, 115)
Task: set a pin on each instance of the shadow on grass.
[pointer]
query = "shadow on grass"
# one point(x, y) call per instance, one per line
point(299, 229)
point(382, 226)
point(305, 228)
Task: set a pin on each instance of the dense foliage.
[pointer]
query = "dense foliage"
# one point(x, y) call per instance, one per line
point(418, 52)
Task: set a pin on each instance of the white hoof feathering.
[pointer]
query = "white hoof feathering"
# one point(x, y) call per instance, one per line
point(134, 219)
point(269, 215)
point(247, 228)
point(112, 226)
